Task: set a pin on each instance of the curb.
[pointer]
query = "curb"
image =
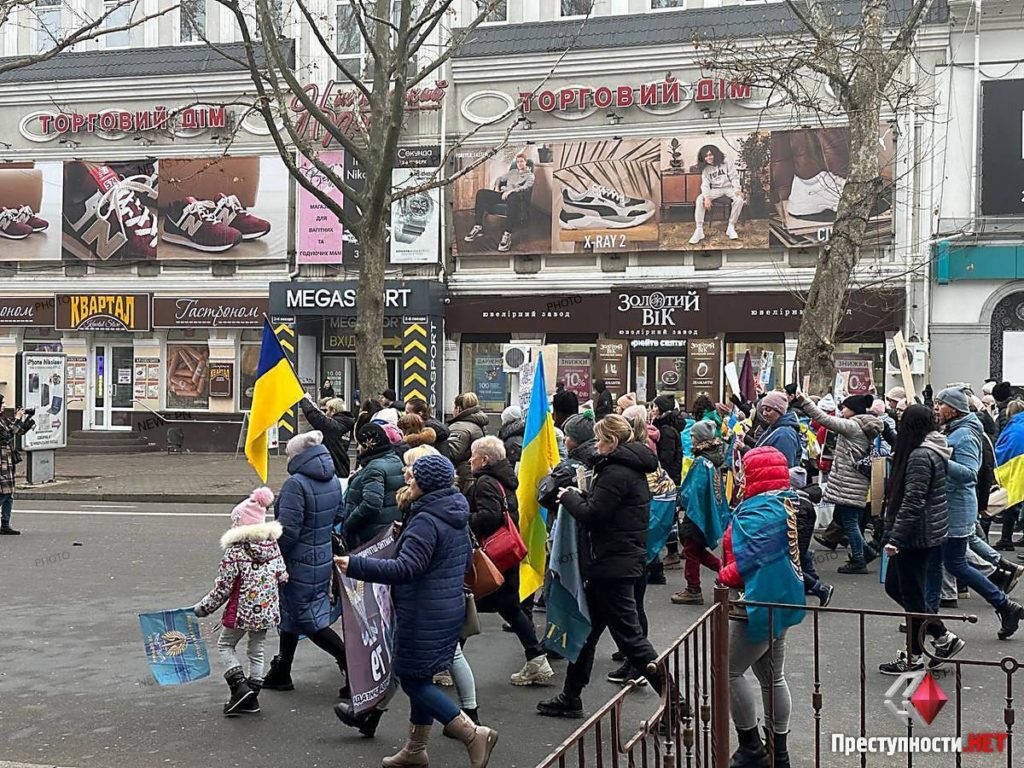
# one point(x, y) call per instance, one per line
point(139, 498)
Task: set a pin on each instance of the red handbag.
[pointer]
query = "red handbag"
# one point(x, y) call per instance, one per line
point(505, 546)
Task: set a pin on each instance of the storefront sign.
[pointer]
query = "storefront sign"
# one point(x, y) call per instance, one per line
point(123, 121)
point(26, 311)
point(703, 370)
point(612, 365)
point(209, 312)
point(222, 376)
point(574, 373)
point(655, 314)
point(340, 334)
point(782, 311)
point(320, 233)
point(339, 298)
point(858, 370)
point(665, 93)
point(44, 377)
point(103, 312)
point(564, 313)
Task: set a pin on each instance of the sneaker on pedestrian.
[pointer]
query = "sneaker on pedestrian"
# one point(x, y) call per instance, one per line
point(1010, 615)
point(535, 671)
point(444, 679)
point(506, 241)
point(474, 233)
point(901, 664)
point(731, 233)
point(824, 594)
point(946, 647)
point(698, 235)
point(1007, 575)
point(618, 656)
point(626, 674)
point(688, 596)
point(853, 567)
point(672, 562)
point(562, 706)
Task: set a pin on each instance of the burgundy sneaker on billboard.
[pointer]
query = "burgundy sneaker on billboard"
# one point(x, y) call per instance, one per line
point(191, 223)
point(228, 210)
point(10, 225)
point(27, 216)
point(104, 217)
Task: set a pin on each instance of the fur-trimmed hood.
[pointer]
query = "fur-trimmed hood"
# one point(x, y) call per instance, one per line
point(251, 534)
point(426, 436)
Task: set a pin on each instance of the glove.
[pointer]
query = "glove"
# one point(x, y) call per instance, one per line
point(197, 610)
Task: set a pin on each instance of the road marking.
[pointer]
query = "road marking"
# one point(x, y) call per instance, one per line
point(109, 506)
point(110, 513)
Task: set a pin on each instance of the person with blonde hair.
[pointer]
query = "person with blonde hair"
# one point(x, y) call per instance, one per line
point(468, 423)
point(335, 422)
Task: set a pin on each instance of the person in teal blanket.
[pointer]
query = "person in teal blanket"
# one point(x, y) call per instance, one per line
point(761, 558)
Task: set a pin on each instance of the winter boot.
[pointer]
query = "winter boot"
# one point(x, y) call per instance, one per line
point(562, 705)
point(1010, 615)
point(870, 553)
point(1006, 575)
point(241, 693)
point(252, 705)
point(1003, 545)
point(751, 752)
point(824, 593)
point(366, 723)
point(780, 749)
point(280, 677)
point(343, 692)
point(479, 740)
point(853, 566)
point(688, 596)
point(534, 672)
point(472, 714)
point(414, 753)
point(6, 530)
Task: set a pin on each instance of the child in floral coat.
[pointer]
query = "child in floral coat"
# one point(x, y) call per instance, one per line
point(250, 571)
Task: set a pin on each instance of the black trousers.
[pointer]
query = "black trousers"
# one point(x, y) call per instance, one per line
point(612, 604)
point(1010, 515)
point(326, 640)
point(487, 199)
point(905, 582)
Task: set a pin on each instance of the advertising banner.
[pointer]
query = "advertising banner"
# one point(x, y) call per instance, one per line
point(188, 376)
point(727, 191)
point(102, 312)
point(416, 219)
point(703, 371)
point(44, 376)
point(368, 623)
point(859, 372)
point(489, 381)
point(320, 234)
point(30, 211)
point(1002, 148)
point(574, 373)
point(612, 363)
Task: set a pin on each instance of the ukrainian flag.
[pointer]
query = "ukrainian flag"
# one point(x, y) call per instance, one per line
point(277, 389)
point(1010, 460)
point(540, 455)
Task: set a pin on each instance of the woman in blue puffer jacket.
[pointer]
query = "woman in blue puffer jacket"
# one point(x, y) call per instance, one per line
point(427, 574)
point(306, 508)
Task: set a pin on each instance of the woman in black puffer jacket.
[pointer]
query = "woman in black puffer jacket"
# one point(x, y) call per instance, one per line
point(916, 522)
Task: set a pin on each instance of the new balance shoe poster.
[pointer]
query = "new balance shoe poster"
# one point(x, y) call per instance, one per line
point(415, 219)
point(725, 191)
point(223, 207)
point(30, 210)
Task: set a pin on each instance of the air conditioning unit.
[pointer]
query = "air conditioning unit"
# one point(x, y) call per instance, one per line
point(916, 355)
point(515, 356)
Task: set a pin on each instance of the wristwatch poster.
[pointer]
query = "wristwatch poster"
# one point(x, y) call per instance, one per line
point(411, 217)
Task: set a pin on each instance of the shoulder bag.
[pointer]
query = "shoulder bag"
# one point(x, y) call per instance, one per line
point(505, 546)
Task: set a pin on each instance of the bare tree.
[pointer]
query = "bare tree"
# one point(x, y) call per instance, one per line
point(46, 19)
point(835, 67)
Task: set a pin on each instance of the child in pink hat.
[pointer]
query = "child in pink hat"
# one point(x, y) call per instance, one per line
point(250, 570)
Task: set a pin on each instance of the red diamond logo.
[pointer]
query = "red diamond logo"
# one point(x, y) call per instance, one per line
point(929, 699)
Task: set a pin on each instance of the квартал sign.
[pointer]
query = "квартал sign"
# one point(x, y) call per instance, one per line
point(102, 312)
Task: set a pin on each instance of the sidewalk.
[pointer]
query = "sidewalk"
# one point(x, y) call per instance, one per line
point(191, 478)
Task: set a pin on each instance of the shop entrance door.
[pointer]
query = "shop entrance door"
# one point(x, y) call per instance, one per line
point(655, 375)
point(112, 384)
point(341, 371)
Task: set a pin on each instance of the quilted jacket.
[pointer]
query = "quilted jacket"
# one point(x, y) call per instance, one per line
point(370, 504)
point(964, 436)
point(306, 507)
point(920, 519)
point(494, 491)
point(846, 485)
point(427, 574)
point(9, 432)
point(247, 581)
point(469, 425)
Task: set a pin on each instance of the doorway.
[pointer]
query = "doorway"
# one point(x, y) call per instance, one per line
point(112, 380)
point(341, 371)
point(658, 374)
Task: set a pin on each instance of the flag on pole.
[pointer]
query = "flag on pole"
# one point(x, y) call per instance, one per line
point(277, 389)
point(539, 457)
point(1010, 460)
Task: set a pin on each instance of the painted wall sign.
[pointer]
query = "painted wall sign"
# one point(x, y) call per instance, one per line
point(103, 312)
point(219, 312)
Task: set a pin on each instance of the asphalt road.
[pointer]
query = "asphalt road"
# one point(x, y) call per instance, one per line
point(75, 690)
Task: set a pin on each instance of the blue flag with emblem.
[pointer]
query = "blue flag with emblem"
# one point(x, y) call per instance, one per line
point(174, 646)
point(568, 618)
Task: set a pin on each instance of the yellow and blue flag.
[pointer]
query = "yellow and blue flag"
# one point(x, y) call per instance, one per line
point(539, 457)
point(277, 389)
point(1010, 460)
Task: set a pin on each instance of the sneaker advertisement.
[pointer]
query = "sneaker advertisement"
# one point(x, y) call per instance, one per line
point(29, 203)
point(725, 191)
point(171, 210)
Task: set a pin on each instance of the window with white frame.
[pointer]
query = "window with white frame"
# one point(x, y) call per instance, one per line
point(192, 28)
point(48, 18)
point(668, 5)
point(116, 14)
point(348, 43)
point(576, 7)
point(497, 10)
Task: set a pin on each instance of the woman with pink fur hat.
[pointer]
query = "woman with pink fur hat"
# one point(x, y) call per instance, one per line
point(250, 570)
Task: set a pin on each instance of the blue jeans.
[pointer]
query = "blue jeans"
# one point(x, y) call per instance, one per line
point(954, 558)
point(428, 702)
point(6, 504)
point(849, 518)
point(933, 582)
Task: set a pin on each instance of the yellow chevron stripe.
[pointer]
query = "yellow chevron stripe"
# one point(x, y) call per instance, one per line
point(415, 362)
point(416, 344)
point(411, 393)
point(287, 345)
point(414, 377)
point(415, 328)
point(282, 328)
point(284, 424)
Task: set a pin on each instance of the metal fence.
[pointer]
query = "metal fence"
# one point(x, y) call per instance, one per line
point(691, 725)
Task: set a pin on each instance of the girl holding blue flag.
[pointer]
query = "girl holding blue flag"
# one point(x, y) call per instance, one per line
point(761, 558)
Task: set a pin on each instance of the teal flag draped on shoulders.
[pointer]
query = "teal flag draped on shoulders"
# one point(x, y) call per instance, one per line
point(568, 618)
point(702, 499)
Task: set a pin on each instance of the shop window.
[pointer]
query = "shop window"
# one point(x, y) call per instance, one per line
point(117, 14)
point(187, 362)
point(760, 351)
point(42, 340)
point(576, 7)
point(576, 368)
point(482, 373)
point(498, 10)
point(668, 5)
point(48, 31)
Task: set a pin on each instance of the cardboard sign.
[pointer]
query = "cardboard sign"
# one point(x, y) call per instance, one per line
point(901, 355)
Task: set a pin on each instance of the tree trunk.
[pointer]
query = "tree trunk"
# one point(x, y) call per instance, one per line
point(827, 297)
point(373, 243)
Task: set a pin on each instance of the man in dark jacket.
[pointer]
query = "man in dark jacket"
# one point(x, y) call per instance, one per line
point(336, 424)
point(564, 404)
point(602, 400)
point(582, 452)
point(670, 448)
point(10, 431)
point(783, 427)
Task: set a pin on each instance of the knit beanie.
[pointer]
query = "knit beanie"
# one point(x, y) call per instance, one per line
point(665, 403)
point(776, 399)
point(703, 432)
point(433, 473)
point(511, 414)
point(790, 389)
point(955, 398)
point(386, 416)
point(896, 394)
point(859, 404)
point(253, 511)
point(301, 442)
point(626, 400)
point(877, 408)
point(579, 428)
point(1002, 391)
point(566, 402)
point(372, 436)
point(827, 404)
point(798, 477)
point(988, 387)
